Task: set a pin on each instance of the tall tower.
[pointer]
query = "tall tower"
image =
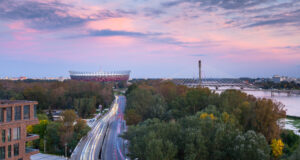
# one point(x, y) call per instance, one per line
point(200, 78)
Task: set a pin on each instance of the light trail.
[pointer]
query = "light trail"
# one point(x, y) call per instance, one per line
point(95, 137)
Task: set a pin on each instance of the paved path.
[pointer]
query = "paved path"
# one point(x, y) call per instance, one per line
point(41, 156)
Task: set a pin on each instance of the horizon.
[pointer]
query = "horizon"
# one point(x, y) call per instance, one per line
point(250, 38)
point(131, 78)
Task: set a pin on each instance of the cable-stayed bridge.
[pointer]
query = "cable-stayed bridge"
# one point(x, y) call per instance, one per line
point(213, 82)
point(228, 83)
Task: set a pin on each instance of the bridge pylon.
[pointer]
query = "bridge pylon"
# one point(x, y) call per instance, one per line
point(200, 77)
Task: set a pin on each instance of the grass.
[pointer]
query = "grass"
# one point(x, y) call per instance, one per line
point(295, 121)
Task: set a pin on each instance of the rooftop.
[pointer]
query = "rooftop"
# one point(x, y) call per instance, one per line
point(15, 101)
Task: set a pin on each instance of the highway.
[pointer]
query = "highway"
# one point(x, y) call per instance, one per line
point(114, 148)
point(89, 147)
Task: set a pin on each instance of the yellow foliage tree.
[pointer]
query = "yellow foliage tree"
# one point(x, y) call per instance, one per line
point(43, 122)
point(277, 147)
point(29, 129)
point(204, 115)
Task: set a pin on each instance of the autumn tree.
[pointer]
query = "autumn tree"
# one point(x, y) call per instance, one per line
point(277, 147)
point(66, 130)
point(85, 107)
point(267, 116)
point(146, 103)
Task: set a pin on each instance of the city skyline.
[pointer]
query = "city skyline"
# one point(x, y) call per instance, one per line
point(153, 39)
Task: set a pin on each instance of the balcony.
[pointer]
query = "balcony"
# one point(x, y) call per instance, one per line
point(31, 137)
point(31, 151)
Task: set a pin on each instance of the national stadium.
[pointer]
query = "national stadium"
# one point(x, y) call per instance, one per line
point(101, 76)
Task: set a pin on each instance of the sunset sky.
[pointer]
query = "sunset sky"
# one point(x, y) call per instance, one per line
point(152, 38)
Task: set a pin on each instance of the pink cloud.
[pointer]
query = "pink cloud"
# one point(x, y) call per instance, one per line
point(20, 32)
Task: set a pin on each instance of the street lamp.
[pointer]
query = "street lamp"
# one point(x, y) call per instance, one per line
point(66, 150)
point(44, 145)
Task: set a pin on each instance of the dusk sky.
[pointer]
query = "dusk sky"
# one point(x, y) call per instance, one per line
point(152, 38)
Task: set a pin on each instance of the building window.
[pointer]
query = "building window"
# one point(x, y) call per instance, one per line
point(35, 110)
point(26, 112)
point(8, 114)
point(16, 149)
point(1, 115)
point(16, 133)
point(9, 135)
point(2, 153)
point(18, 113)
point(9, 151)
point(3, 135)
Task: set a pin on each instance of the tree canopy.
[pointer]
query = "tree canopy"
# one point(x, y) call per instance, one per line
point(169, 121)
point(82, 96)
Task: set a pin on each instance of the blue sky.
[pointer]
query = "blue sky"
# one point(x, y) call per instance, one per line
point(155, 39)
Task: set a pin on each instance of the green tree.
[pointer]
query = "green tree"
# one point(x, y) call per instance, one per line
point(251, 146)
point(146, 103)
point(66, 130)
point(52, 137)
point(296, 154)
point(197, 99)
point(37, 93)
point(85, 106)
point(291, 142)
point(81, 129)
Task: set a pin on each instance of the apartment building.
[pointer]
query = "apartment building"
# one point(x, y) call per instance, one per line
point(15, 116)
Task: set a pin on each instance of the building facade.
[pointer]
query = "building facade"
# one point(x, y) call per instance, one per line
point(15, 116)
point(277, 79)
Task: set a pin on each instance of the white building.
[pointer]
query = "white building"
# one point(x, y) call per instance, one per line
point(277, 79)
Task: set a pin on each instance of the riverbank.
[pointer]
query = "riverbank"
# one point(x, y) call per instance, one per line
point(291, 103)
point(293, 123)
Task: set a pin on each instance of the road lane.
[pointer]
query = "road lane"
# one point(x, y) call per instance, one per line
point(113, 147)
point(90, 146)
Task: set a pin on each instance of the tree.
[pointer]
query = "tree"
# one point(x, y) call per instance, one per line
point(81, 129)
point(40, 130)
point(42, 117)
point(68, 117)
point(195, 138)
point(267, 114)
point(37, 93)
point(146, 103)
point(153, 139)
point(296, 154)
point(230, 126)
point(250, 146)
point(194, 146)
point(52, 137)
point(197, 99)
point(291, 142)
point(66, 130)
point(132, 118)
point(85, 106)
point(260, 115)
point(158, 149)
point(277, 147)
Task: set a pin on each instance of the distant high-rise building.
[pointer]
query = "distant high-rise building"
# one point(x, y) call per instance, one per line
point(277, 79)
